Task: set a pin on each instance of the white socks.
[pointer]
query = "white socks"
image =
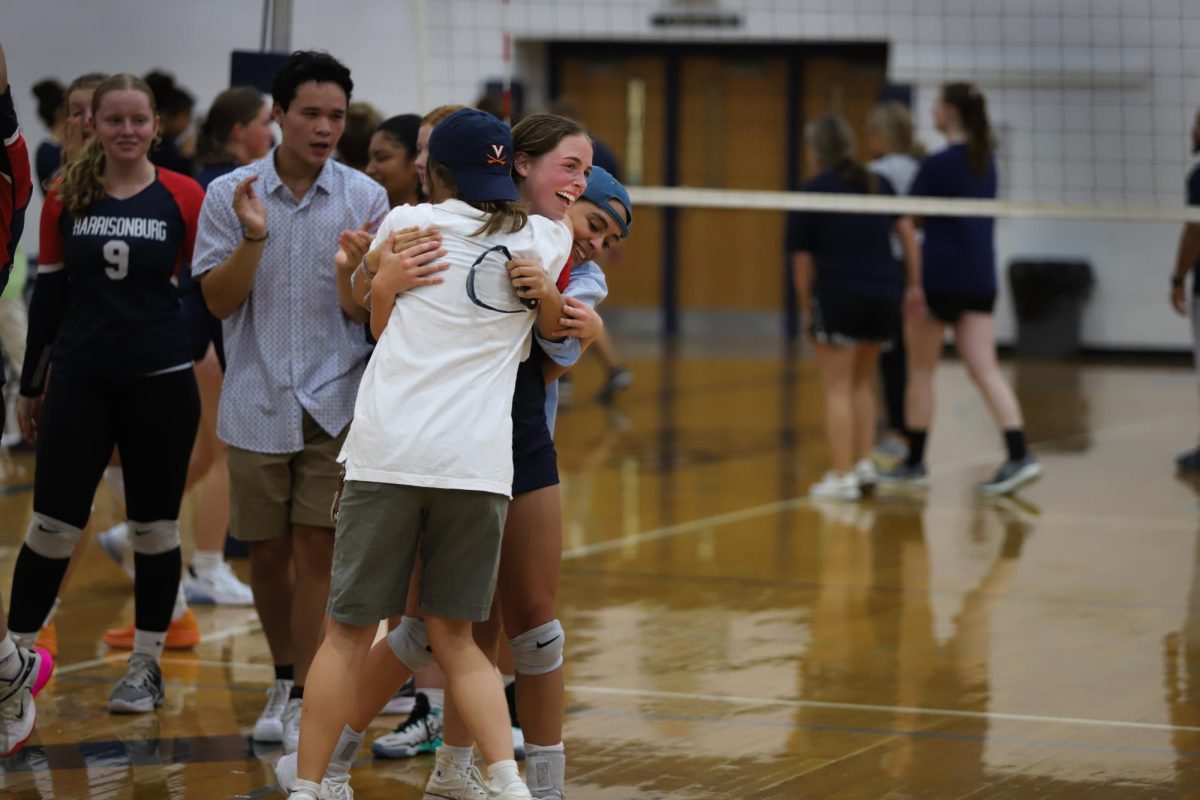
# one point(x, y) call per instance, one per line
point(305, 790)
point(344, 753)
point(180, 604)
point(545, 768)
point(461, 756)
point(502, 774)
point(26, 640)
point(149, 643)
point(205, 561)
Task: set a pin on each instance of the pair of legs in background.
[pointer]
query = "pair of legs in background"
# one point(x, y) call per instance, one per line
point(280, 505)
point(848, 381)
point(849, 331)
point(208, 578)
point(152, 422)
point(975, 338)
point(381, 530)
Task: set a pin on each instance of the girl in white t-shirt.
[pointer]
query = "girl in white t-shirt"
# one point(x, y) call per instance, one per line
point(428, 456)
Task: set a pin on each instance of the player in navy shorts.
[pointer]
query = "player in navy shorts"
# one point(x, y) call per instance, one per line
point(957, 288)
point(107, 348)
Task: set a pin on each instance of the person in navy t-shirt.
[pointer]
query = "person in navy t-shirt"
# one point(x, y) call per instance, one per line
point(849, 287)
point(108, 349)
point(958, 289)
point(1188, 260)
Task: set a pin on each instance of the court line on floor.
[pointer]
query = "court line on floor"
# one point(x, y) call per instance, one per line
point(208, 638)
point(941, 712)
point(803, 501)
point(687, 527)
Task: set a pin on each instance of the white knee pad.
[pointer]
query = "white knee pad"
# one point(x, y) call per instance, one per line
point(154, 538)
point(51, 538)
point(539, 650)
point(410, 644)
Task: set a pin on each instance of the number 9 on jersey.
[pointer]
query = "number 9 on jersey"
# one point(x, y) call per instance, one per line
point(116, 253)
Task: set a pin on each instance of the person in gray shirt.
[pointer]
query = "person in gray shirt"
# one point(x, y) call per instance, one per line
point(295, 353)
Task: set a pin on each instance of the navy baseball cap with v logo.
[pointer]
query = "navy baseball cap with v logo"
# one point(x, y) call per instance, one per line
point(477, 149)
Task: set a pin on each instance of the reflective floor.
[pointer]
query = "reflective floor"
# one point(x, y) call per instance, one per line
point(729, 639)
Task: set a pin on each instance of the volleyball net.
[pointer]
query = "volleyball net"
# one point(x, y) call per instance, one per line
point(704, 104)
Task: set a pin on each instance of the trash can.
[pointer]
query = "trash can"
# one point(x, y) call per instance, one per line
point(1048, 299)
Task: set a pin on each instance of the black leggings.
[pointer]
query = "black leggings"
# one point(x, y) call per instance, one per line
point(893, 370)
point(152, 422)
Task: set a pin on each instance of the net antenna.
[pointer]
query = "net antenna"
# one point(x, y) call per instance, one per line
point(506, 87)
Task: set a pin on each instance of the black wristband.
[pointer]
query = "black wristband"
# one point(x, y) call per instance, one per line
point(266, 235)
point(1176, 282)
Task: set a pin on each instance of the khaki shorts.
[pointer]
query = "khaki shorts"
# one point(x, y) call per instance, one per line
point(271, 492)
point(381, 527)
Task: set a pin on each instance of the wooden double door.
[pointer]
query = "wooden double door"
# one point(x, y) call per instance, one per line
point(727, 118)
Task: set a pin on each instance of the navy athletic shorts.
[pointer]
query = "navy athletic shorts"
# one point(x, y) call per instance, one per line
point(535, 461)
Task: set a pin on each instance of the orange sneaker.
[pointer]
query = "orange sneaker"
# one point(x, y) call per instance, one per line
point(183, 634)
point(48, 639)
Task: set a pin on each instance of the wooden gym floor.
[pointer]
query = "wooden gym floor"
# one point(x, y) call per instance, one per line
point(729, 639)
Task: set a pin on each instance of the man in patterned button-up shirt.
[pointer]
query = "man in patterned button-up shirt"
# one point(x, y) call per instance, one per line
point(264, 257)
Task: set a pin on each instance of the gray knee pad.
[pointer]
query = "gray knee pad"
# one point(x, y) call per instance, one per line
point(51, 538)
point(410, 644)
point(540, 650)
point(154, 538)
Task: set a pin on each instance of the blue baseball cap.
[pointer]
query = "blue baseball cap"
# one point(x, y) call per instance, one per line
point(477, 149)
point(603, 187)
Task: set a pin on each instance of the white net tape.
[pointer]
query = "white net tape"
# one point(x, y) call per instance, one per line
point(691, 197)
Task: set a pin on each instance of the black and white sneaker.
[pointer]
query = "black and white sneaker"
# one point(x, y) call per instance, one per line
point(904, 476)
point(403, 701)
point(420, 733)
point(141, 690)
point(1012, 475)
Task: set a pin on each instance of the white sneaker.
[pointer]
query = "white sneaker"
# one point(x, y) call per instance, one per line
point(450, 781)
point(835, 487)
point(115, 542)
point(332, 788)
point(219, 586)
point(291, 724)
point(269, 727)
point(17, 711)
point(866, 473)
point(514, 791)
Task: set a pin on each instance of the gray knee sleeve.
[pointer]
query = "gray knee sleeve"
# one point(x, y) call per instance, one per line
point(154, 538)
point(51, 538)
point(410, 644)
point(540, 650)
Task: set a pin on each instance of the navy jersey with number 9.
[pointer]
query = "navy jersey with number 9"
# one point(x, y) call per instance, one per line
point(120, 258)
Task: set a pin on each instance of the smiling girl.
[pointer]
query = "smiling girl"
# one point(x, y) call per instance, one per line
point(105, 316)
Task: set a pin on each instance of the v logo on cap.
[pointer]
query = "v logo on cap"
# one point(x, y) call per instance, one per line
point(498, 158)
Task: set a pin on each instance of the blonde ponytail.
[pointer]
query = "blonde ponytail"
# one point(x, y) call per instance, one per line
point(83, 178)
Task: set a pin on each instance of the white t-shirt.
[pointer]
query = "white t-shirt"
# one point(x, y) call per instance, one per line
point(900, 170)
point(434, 406)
